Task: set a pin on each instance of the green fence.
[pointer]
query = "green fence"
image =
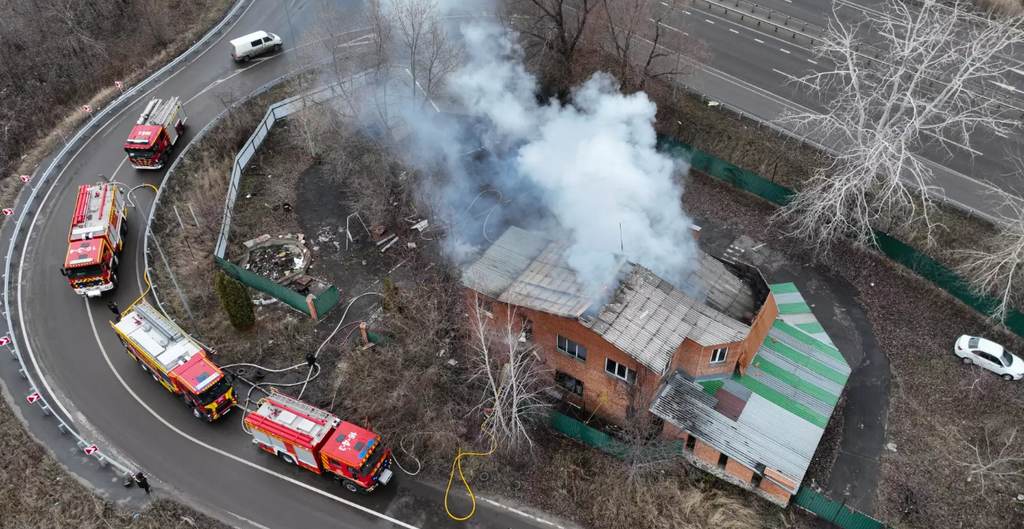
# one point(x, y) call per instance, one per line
point(825, 508)
point(895, 249)
point(326, 301)
point(837, 513)
point(288, 296)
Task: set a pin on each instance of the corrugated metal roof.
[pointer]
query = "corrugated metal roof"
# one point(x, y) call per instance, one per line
point(648, 319)
point(793, 385)
point(504, 262)
point(728, 404)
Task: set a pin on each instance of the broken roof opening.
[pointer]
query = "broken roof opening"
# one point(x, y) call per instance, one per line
point(528, 270)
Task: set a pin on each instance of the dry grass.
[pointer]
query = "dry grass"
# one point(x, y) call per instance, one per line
point(281, 335)
point(933, 397)
point(54, 131)
point(39, 492)
point(1007, 8)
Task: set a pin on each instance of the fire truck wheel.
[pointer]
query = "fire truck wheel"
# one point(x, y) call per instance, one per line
point(198, 414)
point(152, 374)
point(352, 487)
point(288, 458)
point(142, 365)
point(113, 280)
point(124, 227)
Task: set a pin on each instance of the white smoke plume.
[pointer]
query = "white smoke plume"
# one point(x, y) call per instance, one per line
point(592, 165)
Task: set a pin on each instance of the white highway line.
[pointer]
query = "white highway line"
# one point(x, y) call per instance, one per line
point(708, 21)
point(53, 185)
point(1004, 86)
point(812, 61)
point(520, 513)
point(781, 73)
point(228, 455)
point(784, 50)
point(734, 31)
point(760, 41)
point(113, 175)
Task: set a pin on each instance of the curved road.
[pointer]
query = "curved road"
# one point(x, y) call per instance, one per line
point(109, 399)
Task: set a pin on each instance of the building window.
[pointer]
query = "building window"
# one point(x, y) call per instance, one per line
point(619, 371)
point(722, 460)
point(718, 355)
point(572, 348)
point(571, 384)
point(485, 306)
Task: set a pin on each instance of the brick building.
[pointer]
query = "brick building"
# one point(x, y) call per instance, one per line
point(717, 363)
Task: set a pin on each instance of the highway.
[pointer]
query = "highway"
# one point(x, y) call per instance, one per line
point(102, 391)
point(751, 67)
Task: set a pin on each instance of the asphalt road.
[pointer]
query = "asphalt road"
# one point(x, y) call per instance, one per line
point(750, 68)
point(108, 398)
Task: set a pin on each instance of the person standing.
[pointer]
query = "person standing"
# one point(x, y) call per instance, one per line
point(143, 483)
point(117, 312)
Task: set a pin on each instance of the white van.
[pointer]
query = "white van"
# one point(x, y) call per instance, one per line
point(253, 44)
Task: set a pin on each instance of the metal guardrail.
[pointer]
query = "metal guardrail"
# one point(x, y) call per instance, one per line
point(796, 27)
point(37, 396)
point(971, 212)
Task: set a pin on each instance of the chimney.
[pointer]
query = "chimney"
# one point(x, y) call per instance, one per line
point(695, 229)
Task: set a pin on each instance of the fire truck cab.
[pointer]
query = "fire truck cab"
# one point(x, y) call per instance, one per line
point(155, 133)
point(96, 239)
point(320, 442)
point(175, 361)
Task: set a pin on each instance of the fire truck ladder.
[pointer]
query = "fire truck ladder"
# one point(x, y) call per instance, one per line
point(158, 112)
point(149, 316)
point(295, 404)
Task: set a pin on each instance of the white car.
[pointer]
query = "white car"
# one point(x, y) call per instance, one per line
point(989, 355)
point(253, 44)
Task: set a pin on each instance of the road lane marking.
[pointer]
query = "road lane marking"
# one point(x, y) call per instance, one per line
point(781, 73)
point(812, 61)
point(734, 31)
point(216, 450)
point(708, 21)
point(759, 40)
point(53, 185)
point(1004, 86)
point(113, 176)
point(784, 50)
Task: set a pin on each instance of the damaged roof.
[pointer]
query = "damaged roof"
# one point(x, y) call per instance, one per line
point(788, 395)
point(646, 317)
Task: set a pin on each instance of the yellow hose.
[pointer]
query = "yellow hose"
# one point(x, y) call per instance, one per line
point(457, 463)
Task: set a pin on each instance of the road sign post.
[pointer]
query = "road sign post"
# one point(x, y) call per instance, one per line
point(119, 86)
point(88, 109)
point(32, 398)
point(90, 450)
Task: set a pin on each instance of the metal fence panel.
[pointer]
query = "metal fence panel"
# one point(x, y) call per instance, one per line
point(839, 514)
point(289, 297)
point(723, 170)
point(895, 249)
point(326, 301)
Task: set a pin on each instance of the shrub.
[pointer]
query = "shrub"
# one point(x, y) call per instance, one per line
point(234, 297)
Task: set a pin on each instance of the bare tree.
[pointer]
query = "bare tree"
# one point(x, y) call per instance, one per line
point(510, 369)
point(923, 89)
point(998, 268)
point(554, 33)
point(413, 21)
point(993, 458)
point(644, 46)
point(644, 449)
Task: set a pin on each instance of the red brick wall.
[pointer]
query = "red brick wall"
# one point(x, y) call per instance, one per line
point(696, 359)
point(758, 331)
point(601, 391)
point(739, 471)
point(706, 453)
point(775, 490)
point(670, 432)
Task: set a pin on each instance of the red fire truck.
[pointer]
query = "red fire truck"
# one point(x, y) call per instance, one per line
point(318, 441)
point(175, 361)
point(156, 131)
point(95, 239)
